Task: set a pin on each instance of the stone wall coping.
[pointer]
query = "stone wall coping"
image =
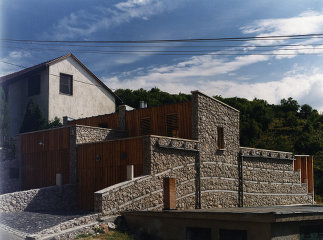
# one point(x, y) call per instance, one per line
point(267, 150)
point(172, 138)
point(33, 190)
point(216, 100)
point(105, 191)
point(85, 126)
point(112, 140)
point(143, 136)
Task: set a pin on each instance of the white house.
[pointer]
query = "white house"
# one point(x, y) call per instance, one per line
point(61, 87)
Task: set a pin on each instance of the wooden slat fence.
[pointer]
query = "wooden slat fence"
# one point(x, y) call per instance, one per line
point(45, 153)
point(103, 164)
point(304, 163)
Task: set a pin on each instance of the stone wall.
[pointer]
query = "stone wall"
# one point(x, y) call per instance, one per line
point(219, 172)
point(163, 157)
point(43, 199)
point(87, 134)
point(268, 176)
point(269, 179)
point(9, 169)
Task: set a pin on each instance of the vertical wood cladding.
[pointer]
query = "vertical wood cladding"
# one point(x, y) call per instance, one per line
point(44, 154)
point(169, 189)
point(173, 120)
point(304, 163)
point(103, 164)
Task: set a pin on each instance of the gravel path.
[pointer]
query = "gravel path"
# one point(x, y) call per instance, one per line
point(32, 222)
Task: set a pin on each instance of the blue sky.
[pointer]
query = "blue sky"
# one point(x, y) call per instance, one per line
point(271, 77)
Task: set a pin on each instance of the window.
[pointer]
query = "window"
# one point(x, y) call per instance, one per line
point(172, 125)
point(145, 127)
point(194, 233)
point(66, 84)
point(34, 85)
point(220, 138)
point(227, 234)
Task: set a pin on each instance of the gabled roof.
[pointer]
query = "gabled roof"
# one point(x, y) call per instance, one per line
point(28, 71)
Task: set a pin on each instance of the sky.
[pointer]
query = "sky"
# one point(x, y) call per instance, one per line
point(270, 69)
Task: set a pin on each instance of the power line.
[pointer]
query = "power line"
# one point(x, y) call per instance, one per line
point(243, 51)
point(171, 46)
point(274, 37)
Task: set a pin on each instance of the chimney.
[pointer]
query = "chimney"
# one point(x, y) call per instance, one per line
point(142, 104)
point(169, 193)
point(65, 120)
point(122, 117)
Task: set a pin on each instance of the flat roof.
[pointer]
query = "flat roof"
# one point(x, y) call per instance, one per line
point(245, 214)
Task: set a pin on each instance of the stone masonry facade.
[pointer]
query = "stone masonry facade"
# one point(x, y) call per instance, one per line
point(206, 176)
point(269, 179)
point(219, 172)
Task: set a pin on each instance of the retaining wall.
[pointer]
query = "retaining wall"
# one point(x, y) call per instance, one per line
point(43, 199)
point(163, 157)
point(269, 179)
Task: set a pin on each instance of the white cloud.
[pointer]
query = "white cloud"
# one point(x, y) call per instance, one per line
point(19, 54)
point(7, 64)
point(306, 87)
point(205, 72)
point(85, 22)
point(306, 23)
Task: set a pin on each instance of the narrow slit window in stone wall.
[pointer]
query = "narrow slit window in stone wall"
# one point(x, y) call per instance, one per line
point(172, 125)
point(220, 138)
point(66, 84)
point(145, 126)
point(34, 85)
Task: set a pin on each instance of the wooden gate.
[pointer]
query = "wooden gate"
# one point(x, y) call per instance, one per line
point(45, 153)
point(103, 164)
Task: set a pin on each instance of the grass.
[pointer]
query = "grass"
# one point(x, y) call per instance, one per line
point(104, 234)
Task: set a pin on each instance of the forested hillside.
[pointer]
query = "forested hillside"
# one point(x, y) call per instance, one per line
point(286, 126)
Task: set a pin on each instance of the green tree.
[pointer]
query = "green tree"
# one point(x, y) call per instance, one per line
point(33, 119)
point(4, 118)
point(153, 97)
point(56, 122)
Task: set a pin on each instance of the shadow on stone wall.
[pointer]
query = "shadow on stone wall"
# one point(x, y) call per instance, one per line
point(48, 199)
point(54, 199)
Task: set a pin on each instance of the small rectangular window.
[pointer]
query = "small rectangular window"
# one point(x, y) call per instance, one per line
point(172, 125)
point(194, 233)
point(228, 234)
point(220, 138)
point(145, 126)
point(66, 84)
point(34, 85)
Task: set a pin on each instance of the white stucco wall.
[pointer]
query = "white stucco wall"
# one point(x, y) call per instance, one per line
point(88, 99)
point(18, 100)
